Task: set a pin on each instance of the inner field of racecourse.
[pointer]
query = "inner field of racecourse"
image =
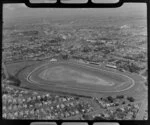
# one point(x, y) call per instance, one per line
point(78, 76)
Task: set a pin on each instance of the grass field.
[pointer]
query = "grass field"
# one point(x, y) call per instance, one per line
point(79, 76)
point(66, 74)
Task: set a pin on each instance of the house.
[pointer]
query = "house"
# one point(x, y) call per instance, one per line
point(53, 60)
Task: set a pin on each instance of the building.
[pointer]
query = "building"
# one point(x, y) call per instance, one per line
point(111, 66)
point(53, 60)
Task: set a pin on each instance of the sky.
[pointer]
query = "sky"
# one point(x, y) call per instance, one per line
point(12, 11)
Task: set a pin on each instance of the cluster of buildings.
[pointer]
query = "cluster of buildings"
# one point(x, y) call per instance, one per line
point(127, 112)
point(109, 101)
point(84, 45)
point(27, 104)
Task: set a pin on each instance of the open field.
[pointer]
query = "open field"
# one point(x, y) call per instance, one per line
point(36, 76)
point(84, 77)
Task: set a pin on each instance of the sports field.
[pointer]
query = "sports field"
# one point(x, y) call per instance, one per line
point(72, 77)
point(64, 73)
point(78, 76)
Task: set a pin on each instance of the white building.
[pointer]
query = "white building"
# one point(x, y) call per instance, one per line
point(111, 66)
point(53, 60)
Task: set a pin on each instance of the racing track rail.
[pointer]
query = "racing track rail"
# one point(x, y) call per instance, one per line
point(30, 80)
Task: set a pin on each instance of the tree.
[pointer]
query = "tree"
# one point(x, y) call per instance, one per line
point(120, 96)
point(131, 99)
point(86, 49)
point(99, 118)
point(134, 68)
point(110, 99)
point(123, 102)
point(87, 117)
point(65, 56)
point(14, 81)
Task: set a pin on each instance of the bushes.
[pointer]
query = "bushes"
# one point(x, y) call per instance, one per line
point(110, 99)
point(14, 81)
point(131, 99)
point(120, 96)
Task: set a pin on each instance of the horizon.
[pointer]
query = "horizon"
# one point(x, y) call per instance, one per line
point(20, 11)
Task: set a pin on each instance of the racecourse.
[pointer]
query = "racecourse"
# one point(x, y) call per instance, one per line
point(115, 82)
point(28, 72)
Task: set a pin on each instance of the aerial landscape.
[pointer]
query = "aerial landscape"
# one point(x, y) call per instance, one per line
point(74, 64)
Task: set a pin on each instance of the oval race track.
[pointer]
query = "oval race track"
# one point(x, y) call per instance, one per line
point(119, 82)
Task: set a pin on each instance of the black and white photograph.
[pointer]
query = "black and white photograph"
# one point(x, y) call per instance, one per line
point(74, 63)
